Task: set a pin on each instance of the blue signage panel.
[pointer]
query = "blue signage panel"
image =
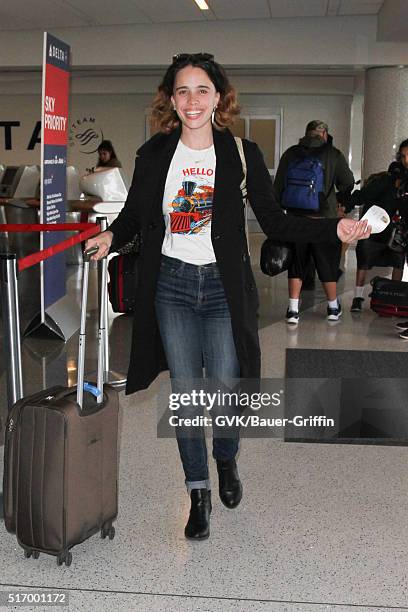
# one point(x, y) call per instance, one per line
point(54, 162)
point(54, 207)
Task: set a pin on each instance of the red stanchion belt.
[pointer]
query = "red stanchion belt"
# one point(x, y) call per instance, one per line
point(86, 230)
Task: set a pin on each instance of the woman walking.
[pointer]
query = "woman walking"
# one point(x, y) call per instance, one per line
point(196, 302)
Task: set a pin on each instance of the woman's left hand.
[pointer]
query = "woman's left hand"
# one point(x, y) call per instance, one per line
point(349, 230)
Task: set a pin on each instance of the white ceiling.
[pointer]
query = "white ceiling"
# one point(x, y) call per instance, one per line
point(44, 14)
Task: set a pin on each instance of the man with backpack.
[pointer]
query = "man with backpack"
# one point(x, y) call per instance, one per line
point(305, 183)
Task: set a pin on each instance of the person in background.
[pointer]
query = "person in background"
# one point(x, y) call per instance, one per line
point(106, 157)
point(316, 157)
point(382, 189)
point(196, 302)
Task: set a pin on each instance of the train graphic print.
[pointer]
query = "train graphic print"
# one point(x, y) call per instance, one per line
point(192, 208)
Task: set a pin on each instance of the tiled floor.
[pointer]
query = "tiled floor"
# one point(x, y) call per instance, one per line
point(320, 527)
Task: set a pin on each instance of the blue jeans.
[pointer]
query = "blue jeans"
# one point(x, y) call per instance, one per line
point(195, 326)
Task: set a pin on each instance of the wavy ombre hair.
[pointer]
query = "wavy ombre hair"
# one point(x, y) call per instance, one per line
point(165, 118)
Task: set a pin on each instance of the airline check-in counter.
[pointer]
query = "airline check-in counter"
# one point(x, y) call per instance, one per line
point(18, 185)
point(99, 193)
point(111, 187)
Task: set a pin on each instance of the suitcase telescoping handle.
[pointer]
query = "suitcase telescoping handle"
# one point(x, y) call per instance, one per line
point(82, 330)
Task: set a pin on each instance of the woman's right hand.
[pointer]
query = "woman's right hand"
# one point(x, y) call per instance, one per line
point(349, 230)
point(103, 241)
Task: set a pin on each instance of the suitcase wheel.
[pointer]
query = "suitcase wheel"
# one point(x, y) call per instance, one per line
point(65, 558)
point(108, 531)
point(31, 553)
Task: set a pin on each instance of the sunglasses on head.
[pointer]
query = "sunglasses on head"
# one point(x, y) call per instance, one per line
point(201, 57)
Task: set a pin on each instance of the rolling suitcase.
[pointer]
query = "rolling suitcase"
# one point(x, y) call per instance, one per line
point(389, 298)
point(61, 465)
point(122, 282)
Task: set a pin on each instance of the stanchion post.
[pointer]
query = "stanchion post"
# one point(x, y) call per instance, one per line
point(11, 332)
point(11, 326)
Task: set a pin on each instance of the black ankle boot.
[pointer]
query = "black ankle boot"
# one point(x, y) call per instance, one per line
point(230, 486)
point(198, 524)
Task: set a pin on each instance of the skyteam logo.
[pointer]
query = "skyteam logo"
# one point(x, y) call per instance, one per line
point(85, 135)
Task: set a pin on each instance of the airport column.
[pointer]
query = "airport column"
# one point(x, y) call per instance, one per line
point(385, 116)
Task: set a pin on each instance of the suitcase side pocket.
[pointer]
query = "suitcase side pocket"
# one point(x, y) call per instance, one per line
point(40, 520)
point(12, 452)
point(10, 476)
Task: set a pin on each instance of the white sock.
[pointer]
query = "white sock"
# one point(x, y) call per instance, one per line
point(359, 292)
point(294, 304)
point(333, 303)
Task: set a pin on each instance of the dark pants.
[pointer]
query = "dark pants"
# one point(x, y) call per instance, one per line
point(325, 255)
point(195, 326)
point(372, 253)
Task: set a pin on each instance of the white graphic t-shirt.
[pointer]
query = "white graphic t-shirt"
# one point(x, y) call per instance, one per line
point(187, 205)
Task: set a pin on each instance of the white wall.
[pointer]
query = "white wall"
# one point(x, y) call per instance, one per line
point(121, 115)
point(298, 110)
point(248, 81)
point(122, 120)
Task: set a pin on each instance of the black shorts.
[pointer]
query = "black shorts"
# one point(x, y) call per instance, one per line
point(326, 256)
point(371, 253)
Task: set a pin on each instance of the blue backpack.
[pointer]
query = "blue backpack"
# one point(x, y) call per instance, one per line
point(303, 182)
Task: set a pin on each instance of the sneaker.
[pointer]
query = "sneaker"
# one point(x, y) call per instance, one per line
point(334, 314)
point(357, 305)
point(404, 335)
point(292, 317)
point(402, 326)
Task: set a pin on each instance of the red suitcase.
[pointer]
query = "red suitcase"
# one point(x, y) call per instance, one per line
point(389, 298)
point(61, 465)
point(122, 283)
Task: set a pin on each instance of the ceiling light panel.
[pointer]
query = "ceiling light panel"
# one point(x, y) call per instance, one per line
point(359, 7)
point(11, 20)
point(44, 14)
point(240, 9)
point(298, 8)
point(202, 5)
point(160, 11)
point(333, 7)
point(124, 12)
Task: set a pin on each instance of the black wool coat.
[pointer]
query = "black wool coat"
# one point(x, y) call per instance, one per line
point(143, 212)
